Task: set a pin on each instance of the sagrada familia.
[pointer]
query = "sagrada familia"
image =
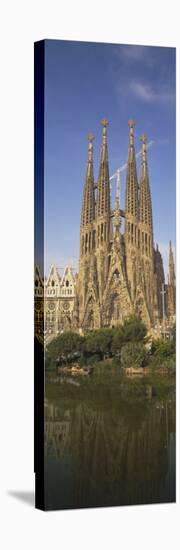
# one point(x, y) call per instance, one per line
point(120, 273)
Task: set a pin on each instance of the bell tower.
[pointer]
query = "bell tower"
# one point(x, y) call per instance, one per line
point(88, 204)
point(87, 280)
point(146, 231)
point(131, 215)
point(103, 214)
point(171, 284)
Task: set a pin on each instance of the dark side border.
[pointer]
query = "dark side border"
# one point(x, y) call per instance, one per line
point(39, 72)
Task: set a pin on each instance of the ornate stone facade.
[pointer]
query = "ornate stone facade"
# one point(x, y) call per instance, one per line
point(55, 303)
point(120, 273)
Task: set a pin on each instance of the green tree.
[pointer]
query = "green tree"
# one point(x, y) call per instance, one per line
point(133, 354)
point(173, 337)
point(161, 349)
point(98, 342)
point(66, 344)
point(117, 340)
point(133, 330)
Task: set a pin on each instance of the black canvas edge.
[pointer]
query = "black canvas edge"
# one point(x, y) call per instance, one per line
point(39, 69)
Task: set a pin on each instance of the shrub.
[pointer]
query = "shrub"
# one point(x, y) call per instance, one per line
point(65, 345)
point(102, 343)
point(98, 342)
point(162, 349)
point(133, 330)
point(133, 354)
point(173, 335)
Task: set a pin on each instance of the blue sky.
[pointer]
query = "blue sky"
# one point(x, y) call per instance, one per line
point(85, 82)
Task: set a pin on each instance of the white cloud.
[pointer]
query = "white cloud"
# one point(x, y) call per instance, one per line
point(136, 53)
point(147, 93)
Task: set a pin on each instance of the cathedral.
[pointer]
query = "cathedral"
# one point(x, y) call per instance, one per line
point(120, 273)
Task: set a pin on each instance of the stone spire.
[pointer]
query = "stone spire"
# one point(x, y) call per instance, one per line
point(145, 205)
point(172, 277)
point(88, 204)
point(103, 187)
point(171, 289)
point(117, 215)
point(87, 287)
point(131, 179)
point(103, 215)
point(145, 231)
point(159, 281)
point(131, 216)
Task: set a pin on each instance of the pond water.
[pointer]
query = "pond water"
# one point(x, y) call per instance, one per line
point(109, 440)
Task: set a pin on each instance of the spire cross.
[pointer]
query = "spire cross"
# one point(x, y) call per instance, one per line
point(104, 122)
point(144, 139)
point(90, 147)
point(131, 123)
point(90, 138)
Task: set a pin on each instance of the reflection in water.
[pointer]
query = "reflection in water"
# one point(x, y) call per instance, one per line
point(111, 452)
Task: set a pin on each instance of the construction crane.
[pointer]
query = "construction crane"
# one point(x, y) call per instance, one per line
point(122, 168)
point(116, 176)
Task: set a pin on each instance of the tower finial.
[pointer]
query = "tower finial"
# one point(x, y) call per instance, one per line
point(131, 178)
point(144, 141)
point(144, 138)
point(131, 125)
point(90, 147)
point(145, 204)
point(104, 122)
point(88, 203)
point(90, 138)
point(103, 187)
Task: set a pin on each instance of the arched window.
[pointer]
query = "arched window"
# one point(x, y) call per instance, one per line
point(146, 245)
point(132, 232)
point(142, 242)
point(89, 241)
point(83, 244)
point(94, 238)
point(101, 232)
point(116, 275)
point(129, 229)
point(138, 238)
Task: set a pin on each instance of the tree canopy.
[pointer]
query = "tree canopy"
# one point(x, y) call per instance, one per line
point(65, 344)
point(133, 354)
point(133, 330)
point(100, 343)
